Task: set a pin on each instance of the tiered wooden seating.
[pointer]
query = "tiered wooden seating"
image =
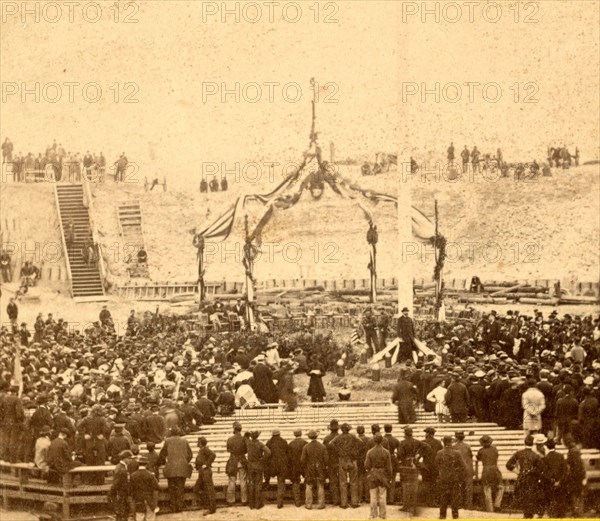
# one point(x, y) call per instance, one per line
point(22, 481)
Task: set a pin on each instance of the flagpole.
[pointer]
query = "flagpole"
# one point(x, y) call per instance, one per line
point(249, 266)
point(405, 241)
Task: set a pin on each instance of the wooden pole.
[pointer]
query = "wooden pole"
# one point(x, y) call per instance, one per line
point(249, 266)
point(407, 247)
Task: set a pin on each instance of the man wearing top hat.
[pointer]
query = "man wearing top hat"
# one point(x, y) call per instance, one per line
point(406, 333)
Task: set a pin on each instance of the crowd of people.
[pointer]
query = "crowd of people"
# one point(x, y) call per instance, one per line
point(62, 164)
point(476, 162)
point(93, 396)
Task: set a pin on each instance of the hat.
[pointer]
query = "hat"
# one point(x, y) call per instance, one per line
point(479, 373)
point(275, 433)
point(346, 427)
point(297, 432)
point(408, 431)
point(315, 372)
point(333, 424)
point(404, 309)
point(486, 440)
point(254, 434)
point(273, 345)
point(459, 434)
point(312, 434)
point(539, 439)
point(429, 430)
point(45, 430)
point(125, 454)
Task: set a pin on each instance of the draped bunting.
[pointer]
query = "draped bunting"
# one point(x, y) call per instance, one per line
point(289, 192)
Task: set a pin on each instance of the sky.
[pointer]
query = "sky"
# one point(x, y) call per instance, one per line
point(160, 84)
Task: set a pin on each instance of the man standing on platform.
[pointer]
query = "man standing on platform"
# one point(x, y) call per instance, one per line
point(406, 333)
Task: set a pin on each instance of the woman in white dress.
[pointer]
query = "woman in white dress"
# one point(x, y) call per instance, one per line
point(438, 396)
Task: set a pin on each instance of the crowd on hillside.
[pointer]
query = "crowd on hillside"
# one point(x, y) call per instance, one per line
point(476, 162)
point(65, 165)
point(100, 393)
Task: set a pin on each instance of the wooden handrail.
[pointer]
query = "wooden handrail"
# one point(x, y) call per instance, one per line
point(62, 236)
point(88, 196)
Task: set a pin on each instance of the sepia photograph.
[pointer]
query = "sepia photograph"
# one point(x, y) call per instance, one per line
point(299, 260)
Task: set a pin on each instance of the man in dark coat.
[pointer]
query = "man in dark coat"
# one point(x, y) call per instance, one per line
point(315, 462)
point(144, 491)
point(59, 458)
point(120, 490)
point(154, 427)
point(548, 391)
point(296, 471)
point(206, 408)
point(451, 471)
point(345, 447)
point(263, 385)
point(204, 484)
point(576, 478)
point(466, 454)
point(278, 465)
point(528, 492)
point(41, 416)
point(457, 400)
point(12, 310)
point(404, 396)
point(410, 451)
point(392, 447)
point(176, 455)
point(333, 470)
point(378, 465)
point(567, 410)
point(589, 414)
point(554, 473)
point(237, 466)
point(429, 471)
point(406, 333)
point(11, 415)
point(363, 486)
point(258, 455)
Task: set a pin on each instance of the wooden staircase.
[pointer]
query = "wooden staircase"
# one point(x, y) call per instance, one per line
point(130, 223)
point(86, 281)
point(129, 215)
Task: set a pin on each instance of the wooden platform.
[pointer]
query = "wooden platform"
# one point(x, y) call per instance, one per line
point(22, 481)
